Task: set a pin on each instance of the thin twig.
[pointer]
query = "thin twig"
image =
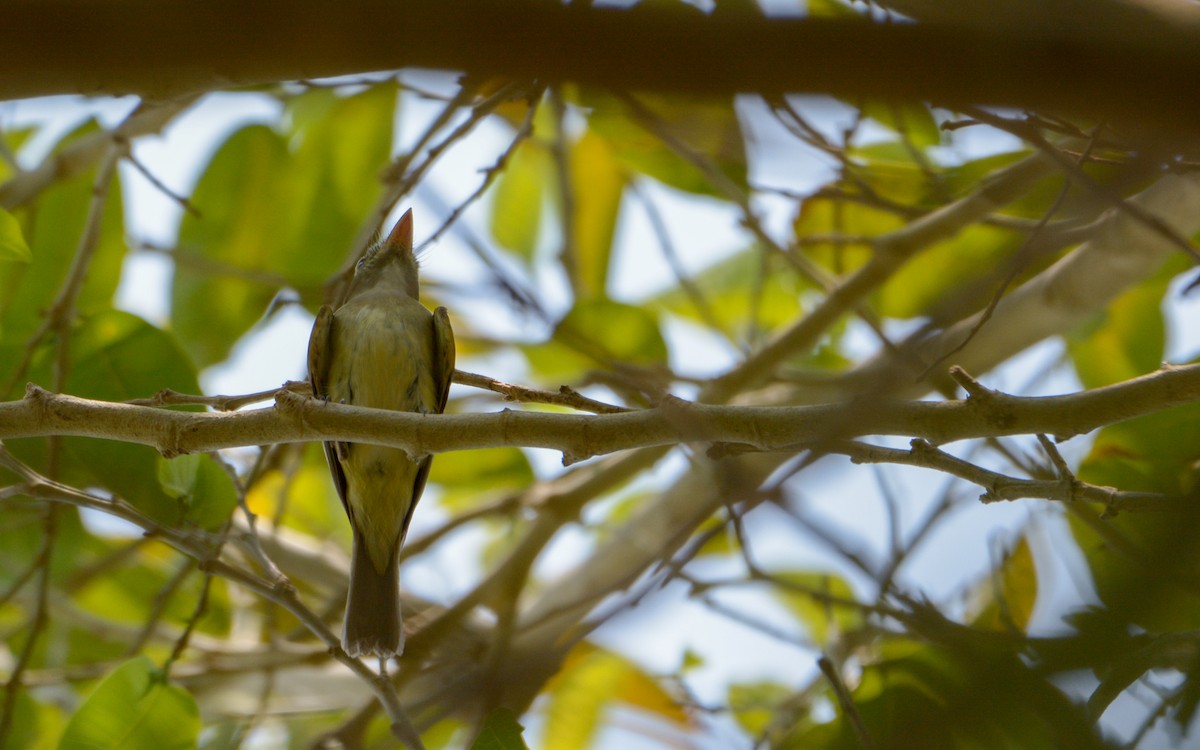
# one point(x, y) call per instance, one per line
point(846, 701)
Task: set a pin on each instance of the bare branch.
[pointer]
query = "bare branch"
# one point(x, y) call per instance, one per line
point(764, 428)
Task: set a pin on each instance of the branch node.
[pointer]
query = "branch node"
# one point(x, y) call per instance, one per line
point(973, 387)
point(38, 396)
point(1110, 503)
point(295, 405)
point(571, 457)
point(988, 497)
point(172, 443)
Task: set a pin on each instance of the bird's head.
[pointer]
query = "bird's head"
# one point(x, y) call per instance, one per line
point(389, 262)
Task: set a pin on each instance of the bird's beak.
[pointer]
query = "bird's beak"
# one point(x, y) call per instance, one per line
point(400, 241)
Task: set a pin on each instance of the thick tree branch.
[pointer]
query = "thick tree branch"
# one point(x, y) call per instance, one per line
point(765, 428)
point(1138, 70)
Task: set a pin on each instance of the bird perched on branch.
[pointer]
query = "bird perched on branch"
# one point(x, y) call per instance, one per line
point(382, 349)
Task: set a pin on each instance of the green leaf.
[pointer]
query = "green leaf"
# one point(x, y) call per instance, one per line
point(470, 478)
point(132, 709)
point(966, 698)
point(831, 9)
point(598, 333)
point(247, 199)
point(1126, 340)
point(1007, 595)
point(519, 196)
point(939, 275)
point(579, 696)
point(888, 170)
point(708, 127)
point(337, 165)
point(35, 725)
point(500, 731)
point(116, 356)
point(913, 122)
point(14, 139)
point(277, 210)
point(823, 620)
point(201, 486)
point(1145, 582)
point(53, 226)
point(12, 241)
point(756, 705)
point(749, 290)
point(306, 492)
point(590, 680)
point(597, 183)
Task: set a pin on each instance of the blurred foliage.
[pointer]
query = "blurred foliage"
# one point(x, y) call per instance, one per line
point(272, 219)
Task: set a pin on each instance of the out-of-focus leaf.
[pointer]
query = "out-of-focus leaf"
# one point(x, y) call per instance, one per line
point(35, 726)
point(338, 156)
point(708, 127)
point(614, 331)
point(14, 139)
point(305, 494)
point(755, 705)
point(247, 200)
point(913, 122)
point(831, 9)
point(598, 183)
point(447, 734)
point(132, 709)
point(1126, 340)
point(592, 679)
point(940, 274)
point(127, 593)
point(721, 538)
point(822, 219)
point(964, 178)
point(823, 620)
point(277, 210)
point(595, 333)
point(519, 196)
point(500, 731)
point(116, 356)
point(887, 170)
point(468, 478)
point(747, 290)
point(12, 241)
point(579, 695)
point(1008, 594)
point(53, 226)
point(201, 486)
point(1154, 453)
point(919, 696)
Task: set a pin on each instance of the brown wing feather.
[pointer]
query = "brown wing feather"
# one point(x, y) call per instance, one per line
point(443, 355)
point(320, 348)
point(443, 373)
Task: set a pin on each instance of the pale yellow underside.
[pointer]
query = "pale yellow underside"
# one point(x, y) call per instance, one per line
point(382, 352)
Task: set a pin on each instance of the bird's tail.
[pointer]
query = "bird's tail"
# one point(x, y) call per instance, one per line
point(373, 625)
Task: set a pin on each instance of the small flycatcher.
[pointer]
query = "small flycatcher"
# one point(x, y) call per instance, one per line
point(383, 349)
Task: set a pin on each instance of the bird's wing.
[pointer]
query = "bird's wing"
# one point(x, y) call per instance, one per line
point(443, 372)
point(320, 351)
point(443, 356)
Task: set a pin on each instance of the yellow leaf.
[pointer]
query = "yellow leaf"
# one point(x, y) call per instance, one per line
point(597, 184)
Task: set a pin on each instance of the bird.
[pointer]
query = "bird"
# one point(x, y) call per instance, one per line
point(381, 348)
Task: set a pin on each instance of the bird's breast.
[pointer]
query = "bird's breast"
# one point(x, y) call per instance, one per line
point(383, 356)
